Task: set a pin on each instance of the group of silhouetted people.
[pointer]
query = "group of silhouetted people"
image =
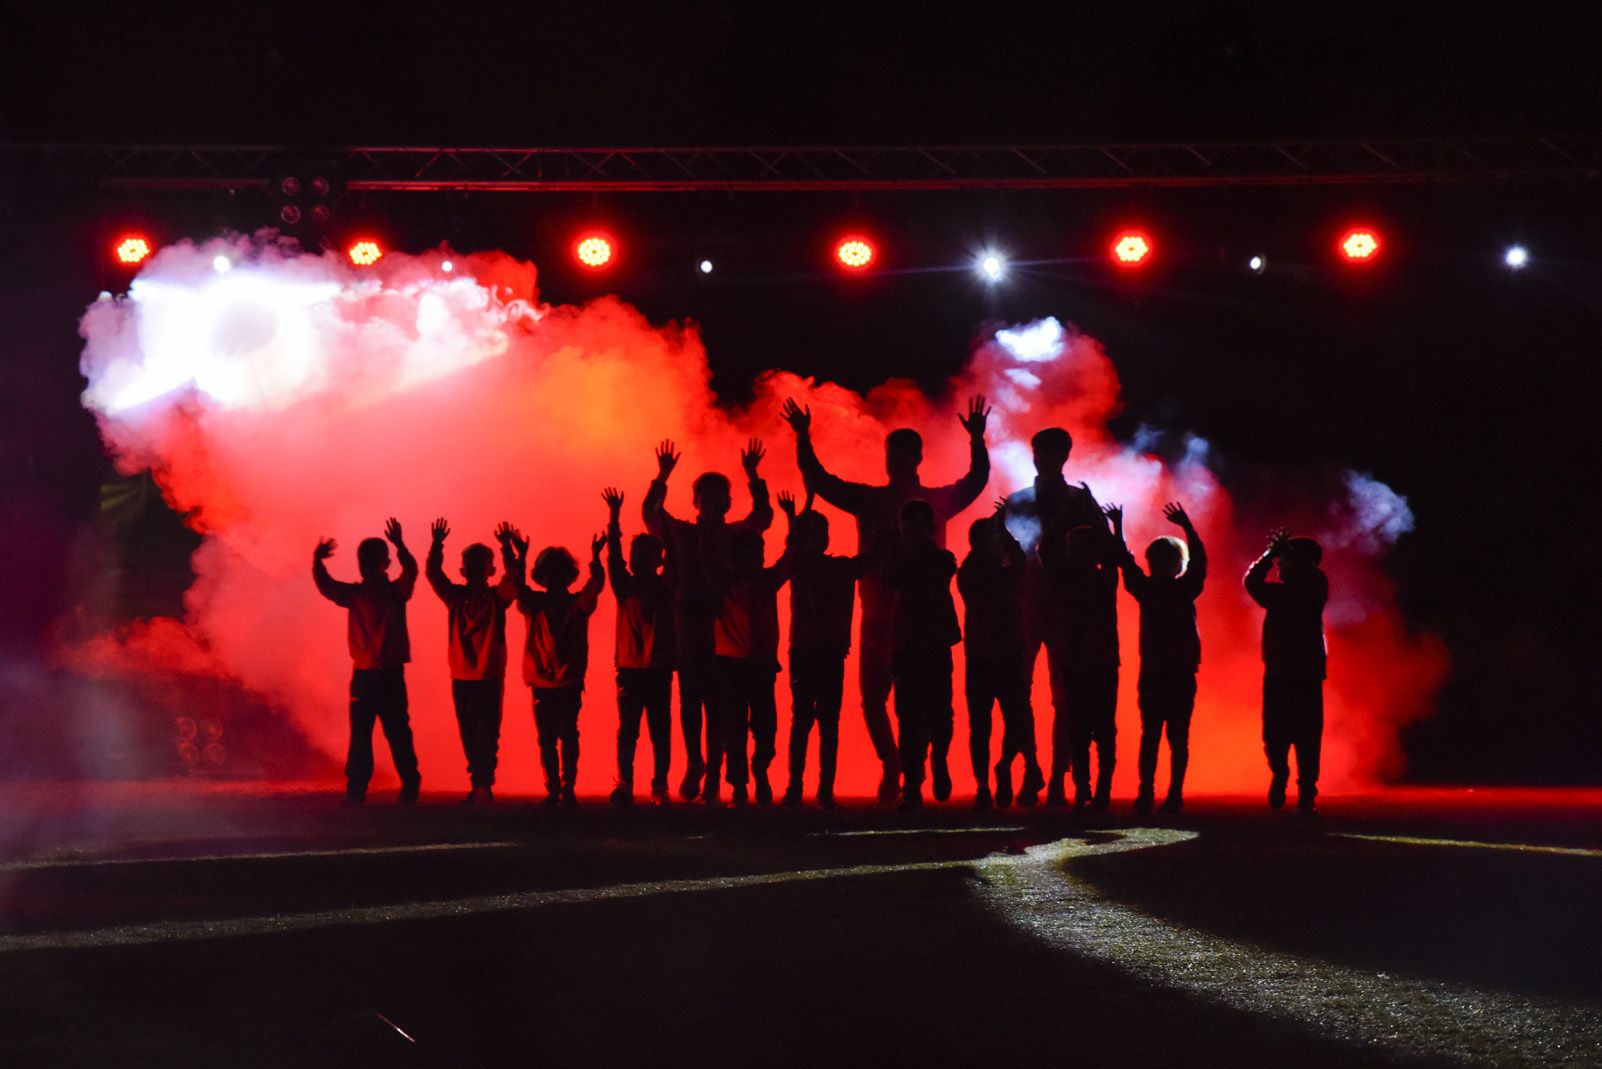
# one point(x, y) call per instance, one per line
point(697, 599)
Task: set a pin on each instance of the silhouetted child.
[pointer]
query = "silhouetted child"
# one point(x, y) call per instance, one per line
point(991, 581)
point(555, 656)
point(1082, 570)
point(1170, 648)
point(1293, 661)
point(747, 645)
point(379, 650)
point(922, 631)
point(644, 655)
point(822, 598)
point(476, 633)
point(694, 551)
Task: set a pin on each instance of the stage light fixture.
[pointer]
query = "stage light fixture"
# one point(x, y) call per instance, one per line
point(854, 253)
point(447, 267)
point(1516, 258)
point(132, 249)
point(1257, 265)
point(221, 263)
point(289, 214)
point(1360, 245)
point(1131, 248)
point(365, 253)
point(594, 251)
point(706, 267)
point(992, 267)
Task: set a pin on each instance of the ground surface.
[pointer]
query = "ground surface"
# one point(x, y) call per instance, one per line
point(231, 924)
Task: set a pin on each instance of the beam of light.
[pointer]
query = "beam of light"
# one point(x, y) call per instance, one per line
point(1430, 1019)
point(1360, 245)
point(132, 249)
point(1516, 258)
point(855, 253)
point(1470, 844)
point(1131, 248)
point(32, 864)
point(594, 251)
point(365, 252)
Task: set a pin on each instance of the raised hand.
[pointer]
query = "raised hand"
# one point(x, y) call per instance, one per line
point(999, 509)
point(1277, 543)
point(505, 532)
point(1115, 513)
point(325, 549)
point(1174, 512)
point(978, 413)
point(614, 500)
point(667, 457)
point(440, 530)
point(751, 456)
point(392, 531)
point(597, 544)
point(799, 419)
point(787, 503)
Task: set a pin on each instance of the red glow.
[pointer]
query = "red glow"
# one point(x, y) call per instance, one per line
point(365, 253)
point(1360, 245)
point(594, 251)
point(132, 249)
point(1131, 248)
point(854, 253)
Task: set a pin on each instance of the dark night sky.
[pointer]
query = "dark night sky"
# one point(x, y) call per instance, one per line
point(1471, 392)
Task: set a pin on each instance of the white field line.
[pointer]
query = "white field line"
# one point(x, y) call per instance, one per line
point(33, 864)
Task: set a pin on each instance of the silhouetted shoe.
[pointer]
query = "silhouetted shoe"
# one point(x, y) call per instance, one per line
point(940, 781)
point(1081, 798)
point(792, 795)
point(479, 796)
point(409, 791)
point(1306, 806)
point(552, 799)
point(569, 799)
point(889, 784)
point(738, 796)
point(911, 799)
point(762, 789)
point(1055, 798)
point(1172, 804)
point(1003, 786)
point(659, 792)
point(982, 799)
point(711, 796)
point(622, 796)
point(1276, 793)
point(1144, 801)
point(1029, 790)
point(1099, 803)
point(690, 785)
point(826, 797)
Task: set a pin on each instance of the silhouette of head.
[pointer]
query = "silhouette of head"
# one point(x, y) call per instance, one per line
point(1083, 547)
point(745, 550)
point(712, 495)
point(1166, 557)
point(1302, 556)
point(984, 540)
point(555, 568)
point(478, 563)
point(810, 538)
point(645, 555)
point(903, 452)
point(1051, 447)
point(372, 557)
point(917, 521)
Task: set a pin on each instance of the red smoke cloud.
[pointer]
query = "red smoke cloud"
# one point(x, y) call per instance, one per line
point(295, 397)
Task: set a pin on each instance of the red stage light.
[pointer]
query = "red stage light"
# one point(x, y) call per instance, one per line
point(365, 253)
point(132, 249)
point(594, 251)
point(1360, 245)
point(1131, 248)
point(854, 253)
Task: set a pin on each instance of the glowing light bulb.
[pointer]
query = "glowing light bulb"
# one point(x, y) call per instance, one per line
point(133, 249)
point(1131, 249)
point(1257, 265)
point(220, 263)
point(594, 251)
point(1516, 257)
point(1360, 246)
point(854, 254)
point(365, 253)
point(993, 267)
point(447, 267)
point(706, 267)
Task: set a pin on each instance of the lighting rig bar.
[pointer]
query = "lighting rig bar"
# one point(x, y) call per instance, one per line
point(1187, 164)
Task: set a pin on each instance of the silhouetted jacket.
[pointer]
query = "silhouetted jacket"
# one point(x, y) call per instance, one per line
point(1086, 595)
point(376, 628)
point(557, 649)
point(1169, 641)
point(823, 594)
point(1293, 627)
point(747, 626)
point(878, 508)
point(918, 575)
point(992, 600)
point(1053, 503)
point(644, 611)
point(476, 628)
point(695, 551)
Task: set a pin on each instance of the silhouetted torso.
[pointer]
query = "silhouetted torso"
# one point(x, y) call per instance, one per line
point(557, 650)
point(476, 623)
point(822, 603)
point(376, 629)
point(919, 577)
point(644, 619)
point(1293, 627)
point(1169, 640)
point(992, 599)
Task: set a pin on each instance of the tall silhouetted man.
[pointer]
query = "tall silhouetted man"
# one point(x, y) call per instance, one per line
point(476, 633)
point(1049, 502)
point(922, 631)
point(877, 510)
point(379, 650)
point(695, 552)
point(1081, 574)
point(644, 655)
point(1293, 662)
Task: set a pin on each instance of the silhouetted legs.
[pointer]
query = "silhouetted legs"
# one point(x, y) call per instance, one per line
point(647, 692)
point(815, 687)
point(556, 714)
point(1166, 702)
point(1001, 682)
point(923, 700)
point(478, 718)
point(379, 694)
point(1293, 716)
point(876, 677)
point(746, 709)
point(695, 699)
point(1092, 701)
point(1035, 638)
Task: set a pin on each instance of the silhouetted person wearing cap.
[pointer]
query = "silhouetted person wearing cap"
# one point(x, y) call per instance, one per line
point(1049, 502)
point(476, 634)
point(877, 510)
point(1170, 648)
point(644, 656)
point(694, 551)
point(991, 581)
point(922, 631)
point(379, 649)
point(1293, 661)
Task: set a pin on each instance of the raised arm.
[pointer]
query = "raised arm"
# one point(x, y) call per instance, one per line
point(966, 490)
point(434, 565)
point(514, 560)
point(329, 587)
point(845, 496)
point(617, 568)
point(761, 515)
point(1196, 571)
point(408, 563)
point(1135, 578)
point(654, 509)
point(1257, 584)
point(590, 596)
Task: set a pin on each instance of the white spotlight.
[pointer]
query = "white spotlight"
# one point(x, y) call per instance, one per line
point(1516, 257)
point(706, 267)
point(447, 267)
point(992, 266)
point(220, 264)
point(1257, 265)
